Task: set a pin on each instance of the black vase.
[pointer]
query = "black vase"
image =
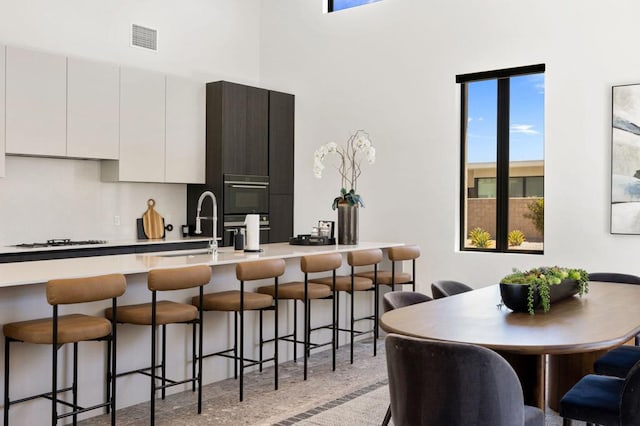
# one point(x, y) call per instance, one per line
point(514, 296)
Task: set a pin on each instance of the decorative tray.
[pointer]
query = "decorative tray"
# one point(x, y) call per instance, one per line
point(311, 240)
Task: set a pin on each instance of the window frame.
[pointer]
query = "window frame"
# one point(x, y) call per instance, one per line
point(502, 76)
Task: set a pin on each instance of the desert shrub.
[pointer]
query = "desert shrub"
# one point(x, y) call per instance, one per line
point(515, 238)
point(479, 237)
point(537, 214)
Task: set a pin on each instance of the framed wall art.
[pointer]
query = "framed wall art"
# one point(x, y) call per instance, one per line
point(625, 160)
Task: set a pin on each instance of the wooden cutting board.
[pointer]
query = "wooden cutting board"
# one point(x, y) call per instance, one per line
point(152, 222)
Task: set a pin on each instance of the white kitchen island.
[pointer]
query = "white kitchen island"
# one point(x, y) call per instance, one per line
point(22, 297)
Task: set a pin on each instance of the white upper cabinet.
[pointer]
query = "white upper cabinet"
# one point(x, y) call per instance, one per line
point(148, 127)
point(92, 109)
point(142, 128)
point(185, 131)
point(35, 103)
point(2, 68)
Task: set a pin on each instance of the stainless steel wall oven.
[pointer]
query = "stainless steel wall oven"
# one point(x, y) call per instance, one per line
point(246, 194)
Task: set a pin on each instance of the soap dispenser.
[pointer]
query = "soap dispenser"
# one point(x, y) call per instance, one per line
point(238, 239)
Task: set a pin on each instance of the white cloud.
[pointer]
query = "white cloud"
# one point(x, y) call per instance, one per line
point(537, 82)
point(527, 129)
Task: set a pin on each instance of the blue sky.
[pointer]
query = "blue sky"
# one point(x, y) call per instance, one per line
point(344, 4)
point(526, 119)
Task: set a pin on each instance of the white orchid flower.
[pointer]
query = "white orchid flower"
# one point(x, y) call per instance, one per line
point(320, 154)
point(370, 152)
point(358, 148)
point(363, 143)
point(317, 169)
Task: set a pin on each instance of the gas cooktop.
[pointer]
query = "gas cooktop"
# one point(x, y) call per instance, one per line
point(60, 242)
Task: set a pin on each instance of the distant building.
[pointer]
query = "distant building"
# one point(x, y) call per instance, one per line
point(526, 179)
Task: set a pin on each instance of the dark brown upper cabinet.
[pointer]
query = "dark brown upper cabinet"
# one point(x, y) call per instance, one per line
point(250, 131)
point(281, 118)
point(238, 128)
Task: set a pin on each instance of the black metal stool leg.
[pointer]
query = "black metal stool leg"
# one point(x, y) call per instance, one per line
point(200, 323)
point(241, 339)
point(308, 328)
point(109, 371)
point(260, 347)
point(334, 341)
point(353, 296)
point(337, 329)
point(413, 274)
point(387, 416)
point(54, 368)
point(306, 335)
point(295, 330)
point(152, 408)
point(6, 381)
point(376, 310)
point(193, 352)
point(74, 386)
point(112, 344)
point(235, 345)
point(163, 368)
point(275, 339)
point(306, 322)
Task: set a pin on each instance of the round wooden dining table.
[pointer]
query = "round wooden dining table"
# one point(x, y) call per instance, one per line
point(560, 345)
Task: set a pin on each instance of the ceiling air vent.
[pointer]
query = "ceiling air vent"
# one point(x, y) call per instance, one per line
point(147, 38)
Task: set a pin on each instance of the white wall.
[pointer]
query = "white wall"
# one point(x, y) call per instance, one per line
point(200, 39)
point(205, 40)
point(389, 67)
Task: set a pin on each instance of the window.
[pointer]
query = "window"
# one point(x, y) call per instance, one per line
point(502, 161)
point(523, 186)
point(335, 5)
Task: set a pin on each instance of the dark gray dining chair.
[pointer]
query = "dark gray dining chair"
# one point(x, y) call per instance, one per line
point(399, 299)
point(614, 277)
point(446, 383)
point(395, 300)
point(604, 400)
point(445, 288)
point(617, 362)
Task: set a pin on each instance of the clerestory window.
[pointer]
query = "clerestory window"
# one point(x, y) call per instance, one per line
point(335, 5)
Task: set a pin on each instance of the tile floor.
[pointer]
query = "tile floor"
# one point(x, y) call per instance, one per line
point(317, 401)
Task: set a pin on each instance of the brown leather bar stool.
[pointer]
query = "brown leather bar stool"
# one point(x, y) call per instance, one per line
point(238, 301)
point(353, 283)
point(306, 291)
point(392, 278)
point(71, 328)
point(160, 313)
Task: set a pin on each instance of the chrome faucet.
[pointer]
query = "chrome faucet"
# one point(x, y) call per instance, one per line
point(213, 244)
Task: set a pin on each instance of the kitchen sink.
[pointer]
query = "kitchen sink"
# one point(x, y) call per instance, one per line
point(191, 253)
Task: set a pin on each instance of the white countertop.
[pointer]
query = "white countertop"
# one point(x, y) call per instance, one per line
point(40, 271)
point(114, 243)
